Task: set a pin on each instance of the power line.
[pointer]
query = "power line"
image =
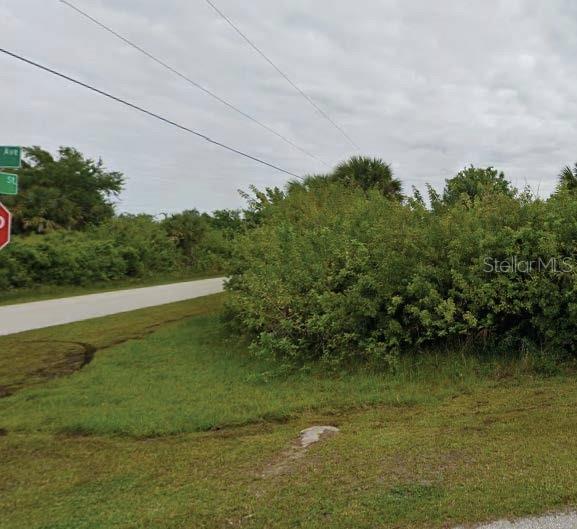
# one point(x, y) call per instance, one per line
point(147, 112)
point(192, 82)
point(284, 75)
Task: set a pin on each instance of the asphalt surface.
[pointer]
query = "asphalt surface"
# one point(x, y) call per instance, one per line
point(552, 521)
point(39, 314)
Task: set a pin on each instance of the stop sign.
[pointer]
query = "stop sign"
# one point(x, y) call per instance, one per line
point(5, 222)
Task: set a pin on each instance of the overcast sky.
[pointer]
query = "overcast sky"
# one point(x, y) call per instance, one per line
point(428, 86)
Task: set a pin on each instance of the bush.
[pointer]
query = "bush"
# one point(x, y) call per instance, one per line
point(60, 258)
point(66, 231)
point(145, 246)
point(338, 275)
point(306, 283)
point(203, 240)
point(126, 246)
point(123, 247)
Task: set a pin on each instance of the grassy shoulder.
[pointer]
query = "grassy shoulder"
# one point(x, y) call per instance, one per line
point(35, 357)
point(44, 292)
point(181, 428)
point(188, 377)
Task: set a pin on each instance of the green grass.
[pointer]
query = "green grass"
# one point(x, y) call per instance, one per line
point(188, 378)
point(31, 358)
point(44, 292)
point(193, 376)
point(180, 428)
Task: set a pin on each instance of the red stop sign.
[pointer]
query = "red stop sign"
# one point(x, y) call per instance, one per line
point(5, 222)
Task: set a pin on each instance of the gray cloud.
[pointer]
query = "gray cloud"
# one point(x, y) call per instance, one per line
point(428, 86)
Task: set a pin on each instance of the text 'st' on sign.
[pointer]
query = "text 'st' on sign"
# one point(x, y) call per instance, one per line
point(10, 157)
point(8, 184)
point(5, 224)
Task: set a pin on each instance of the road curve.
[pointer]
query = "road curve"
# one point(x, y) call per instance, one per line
point(39, 314)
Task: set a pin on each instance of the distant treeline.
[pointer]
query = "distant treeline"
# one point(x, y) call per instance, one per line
point(67, 232)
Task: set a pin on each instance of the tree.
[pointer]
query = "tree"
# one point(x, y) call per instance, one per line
point(187, 229)
point(568, 178)
point(70, 192)
point(260, 203)
point(368, 173)
point(228, 221)
point(473, 182)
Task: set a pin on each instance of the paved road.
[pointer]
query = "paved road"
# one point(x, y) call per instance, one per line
point(553, 521)
point(39, 314)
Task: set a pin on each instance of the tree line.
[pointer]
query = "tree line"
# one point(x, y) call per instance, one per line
point(340, 268)
point(67, 230)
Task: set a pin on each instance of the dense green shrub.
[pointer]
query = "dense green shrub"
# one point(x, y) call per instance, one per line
point(144, 244)
point(203, 240)
point(66, 230)
point(341, 275)
point(61, 258)
point(123, 247)
point(305, 283)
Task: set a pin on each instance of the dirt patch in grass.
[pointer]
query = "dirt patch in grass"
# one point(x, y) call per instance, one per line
point(32, 358)
point(285, 462)
point(67, 357)
point(74, 357)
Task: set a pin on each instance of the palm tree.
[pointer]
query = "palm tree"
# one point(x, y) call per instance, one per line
point(369, 173)
point(568, 178)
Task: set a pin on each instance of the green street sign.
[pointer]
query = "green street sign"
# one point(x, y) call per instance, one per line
point(8, 184)
point(10, 157)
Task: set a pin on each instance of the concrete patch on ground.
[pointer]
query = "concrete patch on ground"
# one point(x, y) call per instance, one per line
point(550, 521)
point(283, 464)
point(315, 433)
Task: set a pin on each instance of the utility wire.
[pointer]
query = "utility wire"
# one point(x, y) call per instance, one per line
point(147, 112)
point(284, 75)
point(191, 81)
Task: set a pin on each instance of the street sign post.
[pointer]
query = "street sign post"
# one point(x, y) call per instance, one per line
point(8, 184)
point(5, 223)
point(10, 157)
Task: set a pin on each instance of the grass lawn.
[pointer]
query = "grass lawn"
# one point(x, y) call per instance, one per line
point(43, 292)
point(180, 428)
